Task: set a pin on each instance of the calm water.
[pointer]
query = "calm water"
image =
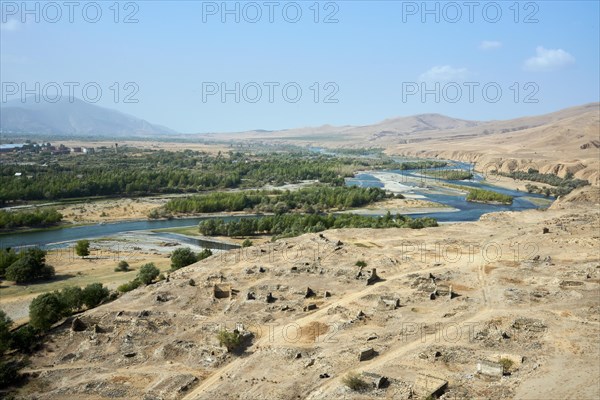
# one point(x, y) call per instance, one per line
point(468, 212)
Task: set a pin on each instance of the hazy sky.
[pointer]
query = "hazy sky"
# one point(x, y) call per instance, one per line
point(359, 63)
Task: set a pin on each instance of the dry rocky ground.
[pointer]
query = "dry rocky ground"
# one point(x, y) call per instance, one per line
point(519, 294)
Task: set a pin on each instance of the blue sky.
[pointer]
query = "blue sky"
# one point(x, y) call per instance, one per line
point(375, 61)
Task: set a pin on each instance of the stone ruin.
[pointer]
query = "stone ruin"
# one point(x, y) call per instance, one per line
point(442, 291)
point(490, 368)
point(388, 303)
point(373, 278)
point(429, 386)
point(309, 293)
point(222, 291)
point(310, 307)
point(379, 381)
point(366, 354)
point(270, 298)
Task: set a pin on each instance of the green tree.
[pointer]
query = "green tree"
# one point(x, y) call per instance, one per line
point(82, 248)
point(204, 254)
point(247, 243)
point(231, 340)
point(182, 257)
point(93, 294)
point(129, 286)
point(25, 339)
point(361, 263)
point(72, 298)
point(45, 310)
point(5, 336)
point(148, 272)
point(123, 266)
point(30, 266)
point(7, 257)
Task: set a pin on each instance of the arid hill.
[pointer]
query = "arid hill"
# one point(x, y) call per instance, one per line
point(514, 295)
point(560, 142)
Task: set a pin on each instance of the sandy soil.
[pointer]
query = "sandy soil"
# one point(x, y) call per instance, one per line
point(405, 206)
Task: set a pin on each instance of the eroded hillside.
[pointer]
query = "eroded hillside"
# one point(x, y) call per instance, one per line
point(522, 287)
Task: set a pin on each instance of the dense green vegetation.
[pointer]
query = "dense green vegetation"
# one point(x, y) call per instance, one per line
point(449, 174)
point(231, 340)
point(560, 186)
point(145, 276)
point(82, 248)
point(297, 224)
point(185, 256)
point(488, 196)
point(36, 218)
point(27, 266)
point(133, 172)
point(310, 199)
point(48, 308)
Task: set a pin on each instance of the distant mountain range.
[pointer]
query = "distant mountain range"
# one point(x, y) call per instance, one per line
point(77, 118)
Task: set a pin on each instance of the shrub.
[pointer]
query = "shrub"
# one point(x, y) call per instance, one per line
point(231, 340)
point(182, 257)
point(45, 310)
point(30, 266)
point(123, 266)
point(247, 243)
point(204, 254)
point(7, 257)
point(5, 336)
point(507, 364)
point(148, 272)
point(129, 286)
point(94, 294)
point(72, 298)
point(82, 248)
point(355, 382)
point(9, 372)
point(192, 282)
point(361, 263)
point(25, 339)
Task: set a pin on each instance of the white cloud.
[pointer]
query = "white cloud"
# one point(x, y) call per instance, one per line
point(549, 60)
point(490, 45)
point(10, 25)
point(443, 73)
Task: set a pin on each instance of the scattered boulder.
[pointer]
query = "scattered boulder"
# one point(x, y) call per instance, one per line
point(78, 325)
point(545, 230)
point(309, 293)
point(270, 298)
point(310, 307)
point(162, 298)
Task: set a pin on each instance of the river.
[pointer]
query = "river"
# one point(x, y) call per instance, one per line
point(427, 188)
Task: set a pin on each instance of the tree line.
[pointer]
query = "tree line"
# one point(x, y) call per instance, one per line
point(488, 196)
point(286, 225)
point(560, 186)
point(310, 199)
point(36, 218)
